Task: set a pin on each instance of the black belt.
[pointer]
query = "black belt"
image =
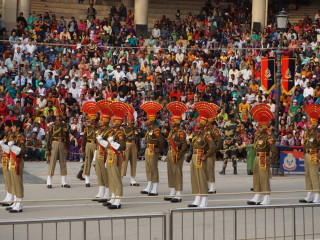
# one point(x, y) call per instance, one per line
point(91, 141)
point(131, 141)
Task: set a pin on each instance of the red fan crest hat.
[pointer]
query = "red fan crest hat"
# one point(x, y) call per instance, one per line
point(205, 111)
point(313, 111)
point(105, 110)
point(151, 108)
point(177, 109)
point(119, 109)
point(91, 109)
point(262, 114)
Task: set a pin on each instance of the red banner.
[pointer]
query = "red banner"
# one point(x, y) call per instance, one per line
point(268, 74)
point(287, 70)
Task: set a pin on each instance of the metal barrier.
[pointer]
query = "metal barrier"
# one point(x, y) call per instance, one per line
point(249, 222)
point(221, 223)
point(148, 226)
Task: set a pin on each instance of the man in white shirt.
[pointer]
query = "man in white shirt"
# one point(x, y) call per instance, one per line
point(179, 56)
point(41, 101)
point(50, 69)
point(95, 82)
point(251, 97)
point(246, 73)
point(74, 90)
point(18, 44)
point(308, 91)
point(235, 72)
point(31, 47)
point(118, 74)
point(156, 31)
point(3, 69)
point(302, 82)
point(131, 75)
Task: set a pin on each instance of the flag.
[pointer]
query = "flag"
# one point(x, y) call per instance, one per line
point(287, 70)
point(268, 74)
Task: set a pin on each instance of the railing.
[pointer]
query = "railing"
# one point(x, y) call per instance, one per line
point(221, 223)
point(257, 222)
point(148, 226)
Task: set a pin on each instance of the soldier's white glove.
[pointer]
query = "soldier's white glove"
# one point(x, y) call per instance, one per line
point(10, 144)
point(15, 149)
point(94, 158)
point(110, 139)
point(115, 145)
point(103, 143)
point(99, 137)
point(1, 142)
point(5, 148)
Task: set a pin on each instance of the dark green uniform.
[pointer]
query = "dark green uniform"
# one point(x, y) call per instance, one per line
point(229, 133)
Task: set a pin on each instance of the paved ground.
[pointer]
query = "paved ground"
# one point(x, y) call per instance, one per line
point(35, 188)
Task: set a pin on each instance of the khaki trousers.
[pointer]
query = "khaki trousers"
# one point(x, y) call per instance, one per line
point(261, 178)
point(6, 174)
point(58, 151)
point(175, 175)
point(114, 176)
point(151, 160)
point(211, 167)
point(90, 148)
point(199, 177)
point(311, 174)
point(101, 170)
point(17, 181)
point(130, 155)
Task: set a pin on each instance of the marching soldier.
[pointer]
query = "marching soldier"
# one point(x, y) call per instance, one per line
point(203, 148)
point(100, 154)
point(89, 141)
point(229, 132)
point(5, 164)
point(57, 144)
point(218, 140)
point(177, 149)
point(266, 153)
point(115, 142)
point(131, 154)
point(155, 143)
point(311, 157)
point(17, 151)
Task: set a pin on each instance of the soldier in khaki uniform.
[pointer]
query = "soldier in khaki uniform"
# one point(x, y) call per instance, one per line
point(218, 140)
point(311, 155)
point(58, 142)
point(177, 149)
point(115, 142)
point(16, 164)
point(100, 155)
point(266, 153)
point(133, 134)
point(229, 133)
point(203, 148)
point(5, 164)
point(89, 141)
point(155, 143)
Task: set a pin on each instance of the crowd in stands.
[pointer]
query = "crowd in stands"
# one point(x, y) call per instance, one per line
point(48, 62)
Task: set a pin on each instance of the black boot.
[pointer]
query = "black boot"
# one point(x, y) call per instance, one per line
point(79, 175)
point(235, 171)
point(223, 171)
